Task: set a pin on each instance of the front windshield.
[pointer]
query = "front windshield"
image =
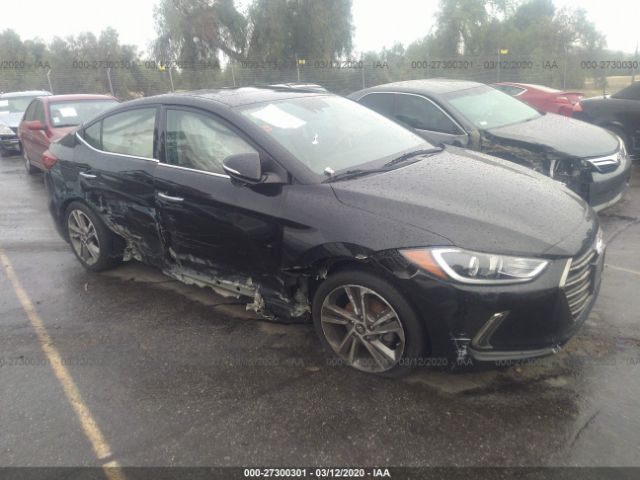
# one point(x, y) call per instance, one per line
point(75, 112)
point(330, 133)
point(486, 107)
point(15, 104)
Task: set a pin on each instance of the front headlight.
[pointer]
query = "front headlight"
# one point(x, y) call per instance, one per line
point(5, 130)
point(623, 147)
point(474, 267)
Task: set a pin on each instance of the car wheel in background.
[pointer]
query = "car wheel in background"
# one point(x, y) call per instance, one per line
point(367, 323)
point(27, 164)
point(95, 246)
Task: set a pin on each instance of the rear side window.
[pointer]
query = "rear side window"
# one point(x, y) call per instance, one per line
point(199, 141)
point(28, 115)
point(127, 133)
point(420, 113)
point(38, 113)
point(92, 135)
point(380, 102)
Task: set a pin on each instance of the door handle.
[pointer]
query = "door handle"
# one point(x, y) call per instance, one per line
point(169, 198)
point(88, 175)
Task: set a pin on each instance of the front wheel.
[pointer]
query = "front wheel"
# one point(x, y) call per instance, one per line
point(367, 323)
point(95, 246)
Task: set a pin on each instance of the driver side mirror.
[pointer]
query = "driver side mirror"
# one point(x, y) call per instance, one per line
point(244, 167)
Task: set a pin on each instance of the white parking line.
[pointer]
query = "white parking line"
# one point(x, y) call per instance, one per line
point(100, 446)
point(622, 269)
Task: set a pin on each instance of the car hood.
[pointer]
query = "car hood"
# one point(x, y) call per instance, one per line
point(477, 202)
point(11, 119)
point(555, 136)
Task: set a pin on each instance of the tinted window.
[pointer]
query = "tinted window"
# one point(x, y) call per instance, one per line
point(38, 113)
point(72, 113)
point(130, 132)
point(380, 102)
point(420, 113)
point(199, 141)
point(92, 135)
point(28, 115)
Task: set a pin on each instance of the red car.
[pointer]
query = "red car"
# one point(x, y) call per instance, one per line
point(541, 97)
point(51, 117)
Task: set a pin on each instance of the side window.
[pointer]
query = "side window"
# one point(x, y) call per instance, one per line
point(28, 114)
point(632, 92)
point(380, 102)
point(199, 141)
point(420, 113)
point(128, 133)
point(92, 135)
point(38, 113)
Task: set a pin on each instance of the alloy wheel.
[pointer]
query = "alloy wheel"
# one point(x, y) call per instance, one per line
point(362, 328)
point(83, 236)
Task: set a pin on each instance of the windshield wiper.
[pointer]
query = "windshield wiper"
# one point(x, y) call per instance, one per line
point(409, 155)
point(359, 172)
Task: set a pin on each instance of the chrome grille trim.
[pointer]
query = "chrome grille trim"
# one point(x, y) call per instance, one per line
point(579, 283)
point(606, 164)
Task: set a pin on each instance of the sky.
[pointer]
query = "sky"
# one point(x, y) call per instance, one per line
point(378, 23)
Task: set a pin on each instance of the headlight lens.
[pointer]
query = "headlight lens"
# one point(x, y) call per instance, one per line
point(474, 267)
point(5, 130)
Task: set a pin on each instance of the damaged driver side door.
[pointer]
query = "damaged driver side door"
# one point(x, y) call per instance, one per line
point(216, 233)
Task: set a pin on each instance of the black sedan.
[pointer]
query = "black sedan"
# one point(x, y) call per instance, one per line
point(588, 159)
point(312, 206)
point(619, 113)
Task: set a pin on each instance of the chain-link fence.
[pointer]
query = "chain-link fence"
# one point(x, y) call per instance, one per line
point(139, 79)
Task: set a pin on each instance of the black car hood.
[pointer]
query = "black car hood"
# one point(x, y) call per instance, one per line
point(556, 136)
point(477, 202)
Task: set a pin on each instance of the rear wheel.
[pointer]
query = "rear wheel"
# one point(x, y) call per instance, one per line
point(367, 323)
point(95, 246)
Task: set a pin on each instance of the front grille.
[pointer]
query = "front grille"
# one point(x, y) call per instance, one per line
point(578, 287)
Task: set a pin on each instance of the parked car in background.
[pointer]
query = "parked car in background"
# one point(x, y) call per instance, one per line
point(12, 107)
point(542, 98)
point(590, 160)
point(306, 203)
point(51, 117)
point(619, 113)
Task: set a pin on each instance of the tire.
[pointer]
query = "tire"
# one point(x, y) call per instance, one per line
point(351, 340)
point(27, 164)
point(96, 248)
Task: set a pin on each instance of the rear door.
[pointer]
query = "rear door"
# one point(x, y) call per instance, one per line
point(214, 230)
point(116, 164)
point(428, 120)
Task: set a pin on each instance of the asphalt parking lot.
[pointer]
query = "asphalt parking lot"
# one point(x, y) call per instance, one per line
point(175, 375)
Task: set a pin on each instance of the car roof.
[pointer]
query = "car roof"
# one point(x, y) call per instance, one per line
point(77, 97)
point(431, 85)
point(26, 93)
point(235, 96)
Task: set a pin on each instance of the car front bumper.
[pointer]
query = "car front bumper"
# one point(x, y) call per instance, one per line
point(10, 142)
point(500, 323)
point(607, 189)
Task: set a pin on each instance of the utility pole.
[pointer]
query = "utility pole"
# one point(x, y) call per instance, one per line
point(49, 80)
point(109, 79)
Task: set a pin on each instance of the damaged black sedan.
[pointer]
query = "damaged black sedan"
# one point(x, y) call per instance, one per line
point(311, 206)
point(588, 159)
